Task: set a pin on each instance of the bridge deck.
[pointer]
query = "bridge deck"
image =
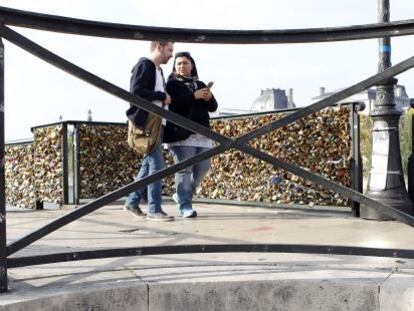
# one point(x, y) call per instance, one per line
point(225, 281)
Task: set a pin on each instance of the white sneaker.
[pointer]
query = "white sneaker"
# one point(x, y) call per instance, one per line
point(188, 213)
point(175, 197)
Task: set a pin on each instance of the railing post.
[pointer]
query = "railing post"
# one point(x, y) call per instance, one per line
point(76, 164)
point(65, 176)
point(386, 178)
point(3, 240)
point(356, 159)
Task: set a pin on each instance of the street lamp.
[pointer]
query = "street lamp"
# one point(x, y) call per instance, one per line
point(386, 178)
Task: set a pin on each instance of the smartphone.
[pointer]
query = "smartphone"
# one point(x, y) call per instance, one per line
point(209, 85)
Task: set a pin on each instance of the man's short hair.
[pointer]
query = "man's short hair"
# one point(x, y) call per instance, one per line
point(161, 43)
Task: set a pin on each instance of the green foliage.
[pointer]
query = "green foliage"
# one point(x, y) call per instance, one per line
point(405, 140)
point(366, 143)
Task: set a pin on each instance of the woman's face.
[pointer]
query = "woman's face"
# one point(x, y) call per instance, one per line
point(183, 66)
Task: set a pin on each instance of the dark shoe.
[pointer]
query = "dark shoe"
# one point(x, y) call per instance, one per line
point(137, 212)
point(161, 216)
point(188, 213)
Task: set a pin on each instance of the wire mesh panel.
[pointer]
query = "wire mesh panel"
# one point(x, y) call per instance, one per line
point(105, 160)
point(320, 142)
point(48, 163)
point(19, 171)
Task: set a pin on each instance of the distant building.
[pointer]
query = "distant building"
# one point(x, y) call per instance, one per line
point(225, 112)
point(89, 115)
point(368, 98)
point(273, 99)
point(268, 100)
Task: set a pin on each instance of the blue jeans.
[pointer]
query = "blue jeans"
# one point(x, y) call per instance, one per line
point(151, 163)
point(187, 180)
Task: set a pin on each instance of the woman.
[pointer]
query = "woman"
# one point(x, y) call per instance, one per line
point(191, 99)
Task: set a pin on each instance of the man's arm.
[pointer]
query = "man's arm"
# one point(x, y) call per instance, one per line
point(142, 83)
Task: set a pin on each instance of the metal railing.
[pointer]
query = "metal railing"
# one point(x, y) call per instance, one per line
point(91, 28)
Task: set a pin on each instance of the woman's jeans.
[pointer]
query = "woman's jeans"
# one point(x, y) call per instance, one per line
point(151, 163)
point(187, 180)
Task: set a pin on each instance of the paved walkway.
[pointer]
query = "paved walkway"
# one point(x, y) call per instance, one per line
point(227, 281)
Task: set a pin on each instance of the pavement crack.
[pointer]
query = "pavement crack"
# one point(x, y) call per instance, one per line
point(132, 270)
point(393, 270)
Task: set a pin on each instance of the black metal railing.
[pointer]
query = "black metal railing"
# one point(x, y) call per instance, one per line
point(81, 27)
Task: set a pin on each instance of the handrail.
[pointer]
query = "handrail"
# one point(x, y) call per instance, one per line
point(17, 142)
point(25, 261)
point(110, 30)
point(76, 26)
point(225, 142)
point(227, 117)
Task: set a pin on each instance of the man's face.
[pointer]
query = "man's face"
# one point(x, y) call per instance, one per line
point(166, 52)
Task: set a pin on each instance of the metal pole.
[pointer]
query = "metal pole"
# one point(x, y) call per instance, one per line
point(64, 159)
point(71, 149)
point(386, 178)
point(76, 165)
point(3, 239)
point(356, 160)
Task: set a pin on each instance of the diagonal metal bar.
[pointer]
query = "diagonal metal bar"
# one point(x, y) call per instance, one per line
point(92, 206)
point(328, 184)
point(88, 208)
point(84, 75)
point(114, 90)
point(353, 89)
point(25, 261)
point(133, 32)
point(102, 84)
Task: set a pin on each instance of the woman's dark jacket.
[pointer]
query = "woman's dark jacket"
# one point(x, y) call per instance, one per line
point(143, 84)
point(182, 101)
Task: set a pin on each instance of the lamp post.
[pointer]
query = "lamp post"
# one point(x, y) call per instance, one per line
point(386, 178)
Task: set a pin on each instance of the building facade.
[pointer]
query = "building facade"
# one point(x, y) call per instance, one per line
point(368, 97)
point(273, 99)
point(268, 100)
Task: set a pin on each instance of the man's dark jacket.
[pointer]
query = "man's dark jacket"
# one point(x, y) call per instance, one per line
point(182, 102)
point(143, 84)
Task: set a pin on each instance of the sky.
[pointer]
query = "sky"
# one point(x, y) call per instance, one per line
point(37, 93)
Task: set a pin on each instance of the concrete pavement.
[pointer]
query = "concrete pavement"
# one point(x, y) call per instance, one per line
point(231, 281)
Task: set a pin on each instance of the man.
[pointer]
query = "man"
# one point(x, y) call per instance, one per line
point(147, 81)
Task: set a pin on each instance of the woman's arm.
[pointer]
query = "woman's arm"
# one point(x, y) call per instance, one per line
point(211, 105)
point(181, 97)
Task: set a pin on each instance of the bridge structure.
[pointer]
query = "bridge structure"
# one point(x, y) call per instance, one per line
point(11, 17)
